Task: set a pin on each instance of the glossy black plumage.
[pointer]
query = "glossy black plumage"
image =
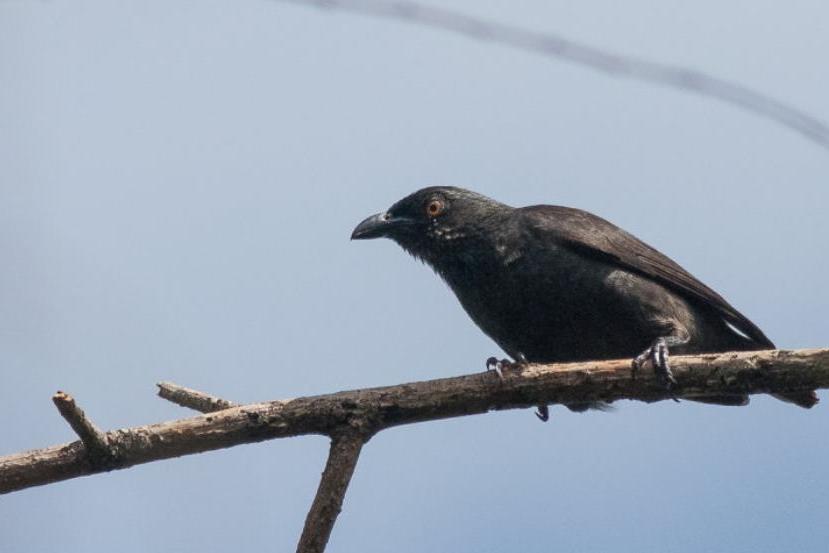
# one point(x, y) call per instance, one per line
point(551, 283)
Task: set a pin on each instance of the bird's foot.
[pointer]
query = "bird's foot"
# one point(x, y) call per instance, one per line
point(657, 354)
point(498, 365)
point(501, 365)
point(543, 413)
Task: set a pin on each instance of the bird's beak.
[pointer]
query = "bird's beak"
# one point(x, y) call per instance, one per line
point(375, 226)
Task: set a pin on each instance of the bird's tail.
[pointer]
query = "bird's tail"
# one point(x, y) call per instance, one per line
point(807, 399)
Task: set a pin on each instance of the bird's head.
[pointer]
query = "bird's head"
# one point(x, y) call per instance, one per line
point(433, 221)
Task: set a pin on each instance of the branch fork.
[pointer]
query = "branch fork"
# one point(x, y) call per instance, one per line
point(96, 444)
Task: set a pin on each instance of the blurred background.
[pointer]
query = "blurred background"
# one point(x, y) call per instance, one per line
point(178, 182)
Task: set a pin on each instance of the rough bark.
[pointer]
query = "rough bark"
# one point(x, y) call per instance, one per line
point(374, 409)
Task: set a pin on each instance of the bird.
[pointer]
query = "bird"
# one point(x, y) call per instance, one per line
point(554, 284)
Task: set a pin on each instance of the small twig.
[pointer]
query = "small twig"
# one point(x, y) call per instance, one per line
point(192, 399)
point(342, 458)
point(93, 439)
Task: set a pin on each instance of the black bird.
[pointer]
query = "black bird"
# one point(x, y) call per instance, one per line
point(556, 284)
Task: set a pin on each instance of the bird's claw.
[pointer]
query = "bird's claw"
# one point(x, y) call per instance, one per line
point(500, 365)
point(657, 354)
point(497, 365)
point(543, 413)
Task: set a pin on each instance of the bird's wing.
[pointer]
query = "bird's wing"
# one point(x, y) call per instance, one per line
point(593, 236)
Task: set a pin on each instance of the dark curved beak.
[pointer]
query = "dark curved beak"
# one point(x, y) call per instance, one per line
point(376, 226)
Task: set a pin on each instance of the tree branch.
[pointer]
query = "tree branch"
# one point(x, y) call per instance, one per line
point(342, 458)
point(556, 46)
point(375, 409)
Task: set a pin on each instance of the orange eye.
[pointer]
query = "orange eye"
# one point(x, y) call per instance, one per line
point(434, 208)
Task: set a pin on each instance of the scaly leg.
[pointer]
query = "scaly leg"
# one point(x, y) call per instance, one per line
point(658, 355)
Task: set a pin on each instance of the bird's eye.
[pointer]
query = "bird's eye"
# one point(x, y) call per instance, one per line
point(434, 208)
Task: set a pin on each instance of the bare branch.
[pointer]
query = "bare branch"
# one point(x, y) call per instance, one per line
point(554, 46)
point(342, 458)
point(379, 408)
point(95, 441)
point(192, 399)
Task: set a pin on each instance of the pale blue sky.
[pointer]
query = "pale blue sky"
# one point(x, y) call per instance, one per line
point(178, 182)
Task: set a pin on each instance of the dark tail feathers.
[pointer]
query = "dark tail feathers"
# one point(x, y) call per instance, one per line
point(807, 399)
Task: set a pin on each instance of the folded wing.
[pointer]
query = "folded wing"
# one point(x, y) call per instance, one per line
point(598, 238)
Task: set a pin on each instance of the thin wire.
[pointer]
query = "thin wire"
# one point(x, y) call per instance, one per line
point(551, 45)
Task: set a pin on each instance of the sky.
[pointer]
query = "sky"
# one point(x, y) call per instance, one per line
point(178, 183)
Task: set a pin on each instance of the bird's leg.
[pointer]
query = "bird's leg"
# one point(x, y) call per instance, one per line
point(500, 365)
point(658, 355)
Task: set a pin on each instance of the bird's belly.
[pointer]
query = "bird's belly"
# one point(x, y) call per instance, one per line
point(552, 331)
point(570, 316)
